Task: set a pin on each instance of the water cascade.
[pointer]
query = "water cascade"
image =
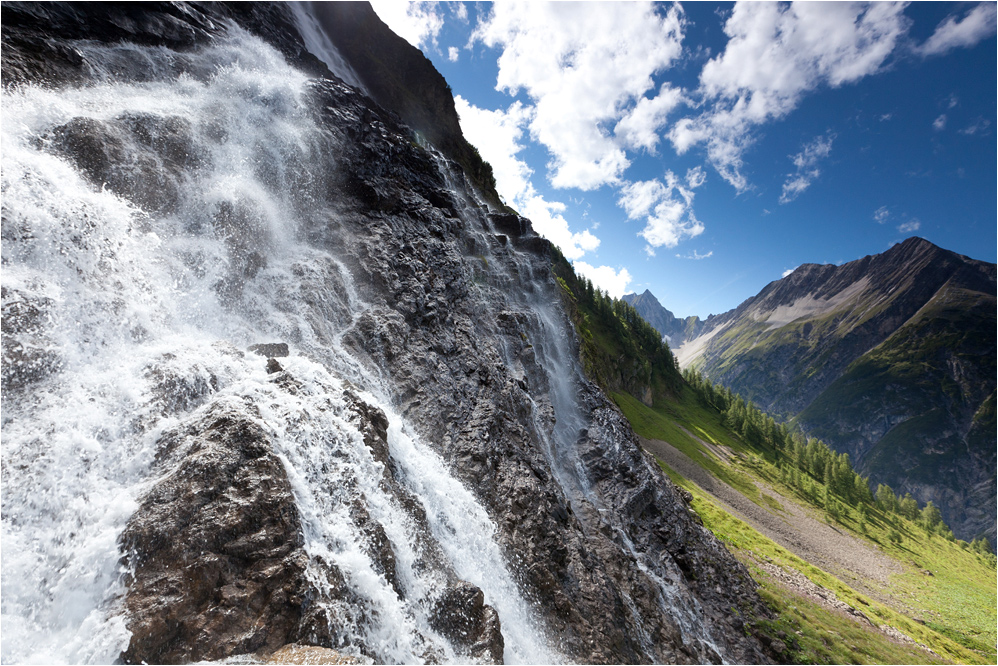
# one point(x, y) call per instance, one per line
point(274, 373)
point(124, 285)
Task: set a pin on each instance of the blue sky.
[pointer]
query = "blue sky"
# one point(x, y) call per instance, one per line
point(703, 150)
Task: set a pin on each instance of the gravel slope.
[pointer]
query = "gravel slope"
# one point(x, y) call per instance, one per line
point(838, 552)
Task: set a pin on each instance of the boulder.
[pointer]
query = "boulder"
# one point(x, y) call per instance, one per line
point(215, 547)
point(462, 616)
point(270, 349)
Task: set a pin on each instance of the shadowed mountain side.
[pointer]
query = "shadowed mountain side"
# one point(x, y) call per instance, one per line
point(890, 358)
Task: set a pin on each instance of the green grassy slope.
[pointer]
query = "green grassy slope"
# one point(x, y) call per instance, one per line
point(952, 611)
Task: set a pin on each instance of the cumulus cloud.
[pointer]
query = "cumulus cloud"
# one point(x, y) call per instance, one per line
point(587, 68)
point(416, 22)
point(606, 278)
point(909, 226)
point(807, 171)
point(789, 271)
point(776, 53)
point(452, 54)
point(497, 136)
point(881, 214)
point(939, 124)
point(666, 206)
point(639, 129)
point(953, 33)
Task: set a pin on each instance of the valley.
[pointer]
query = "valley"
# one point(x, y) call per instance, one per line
point(890, 358)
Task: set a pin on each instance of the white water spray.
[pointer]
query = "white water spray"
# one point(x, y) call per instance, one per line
point(112, 290)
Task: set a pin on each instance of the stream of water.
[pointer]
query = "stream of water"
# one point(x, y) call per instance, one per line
point(109, 286)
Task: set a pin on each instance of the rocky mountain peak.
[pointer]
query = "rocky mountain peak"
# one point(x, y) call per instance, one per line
point(875, 356)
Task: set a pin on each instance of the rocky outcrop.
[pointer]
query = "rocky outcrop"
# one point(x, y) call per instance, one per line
point(215, 548)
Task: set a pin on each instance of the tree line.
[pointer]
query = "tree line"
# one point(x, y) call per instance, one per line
point(821, 475)
point(620, 350)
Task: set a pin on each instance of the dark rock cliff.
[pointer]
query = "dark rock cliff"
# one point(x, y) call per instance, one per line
point(449, 309)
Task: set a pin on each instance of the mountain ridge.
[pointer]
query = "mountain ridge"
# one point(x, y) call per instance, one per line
point(803, 349)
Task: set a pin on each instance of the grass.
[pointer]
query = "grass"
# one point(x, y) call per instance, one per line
point(956, 606)
point(653, 424)
point(828, 636)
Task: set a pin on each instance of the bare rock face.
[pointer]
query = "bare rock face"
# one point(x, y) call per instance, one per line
point(462, 615)
point(216, 548)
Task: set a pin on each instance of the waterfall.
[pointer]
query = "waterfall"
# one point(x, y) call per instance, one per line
point(180, 247)
point(560, 421)
point(318, 43)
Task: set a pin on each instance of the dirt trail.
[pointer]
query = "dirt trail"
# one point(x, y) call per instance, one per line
point(841, 554)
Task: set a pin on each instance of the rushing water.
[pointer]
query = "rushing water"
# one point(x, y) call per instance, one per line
point(560, 420)
point(111, 289)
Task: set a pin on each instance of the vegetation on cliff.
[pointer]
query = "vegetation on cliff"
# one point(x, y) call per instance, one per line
point(620, 351)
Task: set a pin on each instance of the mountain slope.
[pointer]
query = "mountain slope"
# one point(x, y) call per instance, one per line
point(890, 358)
point(852, 580)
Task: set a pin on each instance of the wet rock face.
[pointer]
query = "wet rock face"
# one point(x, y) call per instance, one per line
point(27, 353)
point(216, 548)
point(462, 616)
point(142, 158)
point(465, 326)
point(457, 337)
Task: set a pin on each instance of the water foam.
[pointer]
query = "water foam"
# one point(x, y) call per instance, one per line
point(122, 295)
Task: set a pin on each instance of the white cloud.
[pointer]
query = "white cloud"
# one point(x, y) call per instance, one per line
point(695, 177)
point(806, 162)
point(939, 123)
point(776, 53)
point(452, 54)
point(459, 10)
point(606, 278)
point(789, 271)
point(881, 214)
point(416, 22)
point(667, 207)
point(638, 198)
point(978, 24)
point(587, 67)
point(497, 136)
point(909, 226)
point(980, 125)
point(639, 129)
point(695, 256)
